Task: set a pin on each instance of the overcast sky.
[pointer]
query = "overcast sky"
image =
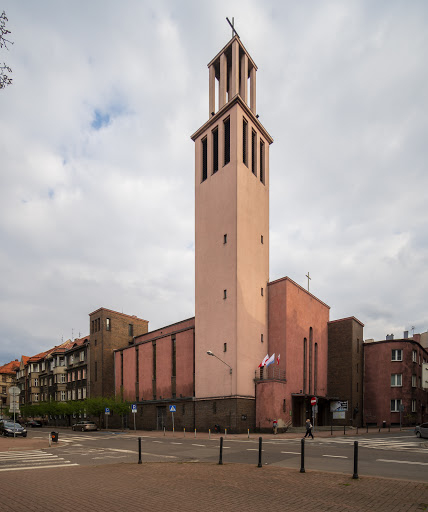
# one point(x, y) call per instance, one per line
point(97, 164)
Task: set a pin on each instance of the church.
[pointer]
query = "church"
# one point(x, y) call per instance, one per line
point(256, 351)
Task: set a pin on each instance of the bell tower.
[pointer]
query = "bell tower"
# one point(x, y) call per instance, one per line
point(231, 231)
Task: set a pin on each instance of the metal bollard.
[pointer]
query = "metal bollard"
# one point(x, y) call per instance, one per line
point(248, 433)
point(220, 460)
point(331, 430)
point(195, 433)
point(260, 453)
point(163, 430)
point(139, 450)
point(209, 433)
point(225, 433)
point(184, 429)
point(302, 456)
point(355, 475)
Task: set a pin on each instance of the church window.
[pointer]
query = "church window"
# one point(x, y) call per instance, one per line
point(261, 338)
point(261, 291)
point(204, 159)
point(305, 359)
point(262, 161)
point(225, 347)
point(244, 141)
point(225, 238)
point(316, 369)
point(215, 149)
point(224, 294)
point(253, 152)
point(226, 141)
point(261, 238)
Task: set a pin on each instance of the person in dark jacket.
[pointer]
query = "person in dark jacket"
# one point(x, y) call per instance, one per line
point(308, 429)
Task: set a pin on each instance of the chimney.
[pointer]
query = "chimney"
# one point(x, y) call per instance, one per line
point(389, 337)
point(406, 335)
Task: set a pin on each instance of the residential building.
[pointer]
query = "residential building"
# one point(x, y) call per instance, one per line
point(393, 385)
point(7, 379)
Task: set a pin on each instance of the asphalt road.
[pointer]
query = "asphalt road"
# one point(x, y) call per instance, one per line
point(399, 455)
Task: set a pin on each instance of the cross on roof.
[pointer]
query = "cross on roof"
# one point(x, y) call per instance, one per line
point(309, 278)
point(233, 27)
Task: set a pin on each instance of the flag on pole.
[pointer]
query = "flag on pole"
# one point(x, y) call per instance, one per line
point(270, 360)
point(278, 358)
point(263, 363)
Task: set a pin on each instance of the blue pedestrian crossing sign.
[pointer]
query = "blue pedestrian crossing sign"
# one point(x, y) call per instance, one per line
point(134, 408)
point(172, 408)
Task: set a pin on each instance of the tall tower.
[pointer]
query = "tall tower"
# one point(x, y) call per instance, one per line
point(232, 231)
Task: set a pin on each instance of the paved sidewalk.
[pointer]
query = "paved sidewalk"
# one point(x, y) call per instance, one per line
point(206, 487)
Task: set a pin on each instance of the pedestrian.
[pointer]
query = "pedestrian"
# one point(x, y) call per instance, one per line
point(308, 429)
point(275, 426)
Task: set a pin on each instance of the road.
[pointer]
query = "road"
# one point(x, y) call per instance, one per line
point(396, 455)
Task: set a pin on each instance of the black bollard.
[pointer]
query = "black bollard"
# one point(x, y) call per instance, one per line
point(344, 430)
point(139, 450)
point(355, 475)
point(220, 460)
point(302, 457)
point(331, 432)
point(367, 431)
point(260, 453)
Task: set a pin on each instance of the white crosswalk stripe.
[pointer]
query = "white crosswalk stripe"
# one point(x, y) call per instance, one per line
point(393, 443)
point(31, 459)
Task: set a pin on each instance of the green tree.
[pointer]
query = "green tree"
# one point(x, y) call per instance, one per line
point(4, 69)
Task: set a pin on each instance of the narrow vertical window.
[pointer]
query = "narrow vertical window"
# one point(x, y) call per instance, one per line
point(130, 330)
point(244, 142)
point(261, 338)
point(224, 294)
point(226, 141)
point(310, 359)
point(254, 152)
point(262, 161)
point(204, 159)
point(174, 357)
point(225, 238)
point(215, 149)
point(261, 238)
point(154, 361)
point(107, 324)
point(316, 369)
point(224, 347)
point(121, 368)
point(261, 291)
point(305, 357)
point(96, 372)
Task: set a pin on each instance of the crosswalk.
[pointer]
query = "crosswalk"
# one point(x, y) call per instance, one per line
point(410, 443)
point(31, 459)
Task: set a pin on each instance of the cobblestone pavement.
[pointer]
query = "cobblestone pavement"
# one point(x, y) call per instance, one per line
point(206, 487)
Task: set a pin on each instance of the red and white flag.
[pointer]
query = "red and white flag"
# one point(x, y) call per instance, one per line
point(263, 363)
point(270, 360)
point(278, 358)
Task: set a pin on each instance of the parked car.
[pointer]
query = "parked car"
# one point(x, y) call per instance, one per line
point(9, 428)
point(422, 430)
point(34, 424)
point(84, 426)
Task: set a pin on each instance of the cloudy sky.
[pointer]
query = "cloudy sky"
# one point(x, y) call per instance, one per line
point(97, 165)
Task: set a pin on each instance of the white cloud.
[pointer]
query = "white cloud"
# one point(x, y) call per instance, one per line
point(103, 215)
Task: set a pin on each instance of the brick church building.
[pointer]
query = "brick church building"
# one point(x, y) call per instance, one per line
point(208, 366)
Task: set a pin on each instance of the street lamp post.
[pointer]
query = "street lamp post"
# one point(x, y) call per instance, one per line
point(212, 354)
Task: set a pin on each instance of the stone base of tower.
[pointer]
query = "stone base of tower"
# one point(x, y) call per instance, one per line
point(236, 414)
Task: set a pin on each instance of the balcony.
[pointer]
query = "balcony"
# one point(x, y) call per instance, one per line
point(269, 373)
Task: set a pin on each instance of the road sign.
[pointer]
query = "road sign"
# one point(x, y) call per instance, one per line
point(313, 401)
point(134, 408)
point(14, 390)
point(172, 408)
point(107, 411)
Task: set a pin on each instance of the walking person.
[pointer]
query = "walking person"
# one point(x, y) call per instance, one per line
point(308, 429)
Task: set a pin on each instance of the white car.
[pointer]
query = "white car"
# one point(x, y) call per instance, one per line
point(422, 430)
point(84, 426)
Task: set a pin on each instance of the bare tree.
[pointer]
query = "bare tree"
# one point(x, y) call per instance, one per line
point(4, 69)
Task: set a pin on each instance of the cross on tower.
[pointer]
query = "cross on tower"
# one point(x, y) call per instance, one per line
point(233, 27)
point(309, 278)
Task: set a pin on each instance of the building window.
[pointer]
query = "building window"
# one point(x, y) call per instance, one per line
point(224, 294)
point(396, 380)
point(99, 323)
point(262, 161)
point(108, 325)
point(84, 393)
point(224, 347)
point(261, 291)
point(414, 356)
point(261, 238)
point(261, 338)
point(84, 373)
point(316, 369)
point(36, 397)
point(244, 141)
point(395, 405)
point(254, 152)
point(397, 355)
point(305, 362)
point(174, 356)
point(63, 396)
point(79, 394)
point(413, 381)
point(226, 141)
point(215, 149)
point(95, 343)
point(63, 377)
point(204, 159)
point(131, 330)
point(413, 405)
point(95, 373)
point(92, 326)
point(225, 239)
